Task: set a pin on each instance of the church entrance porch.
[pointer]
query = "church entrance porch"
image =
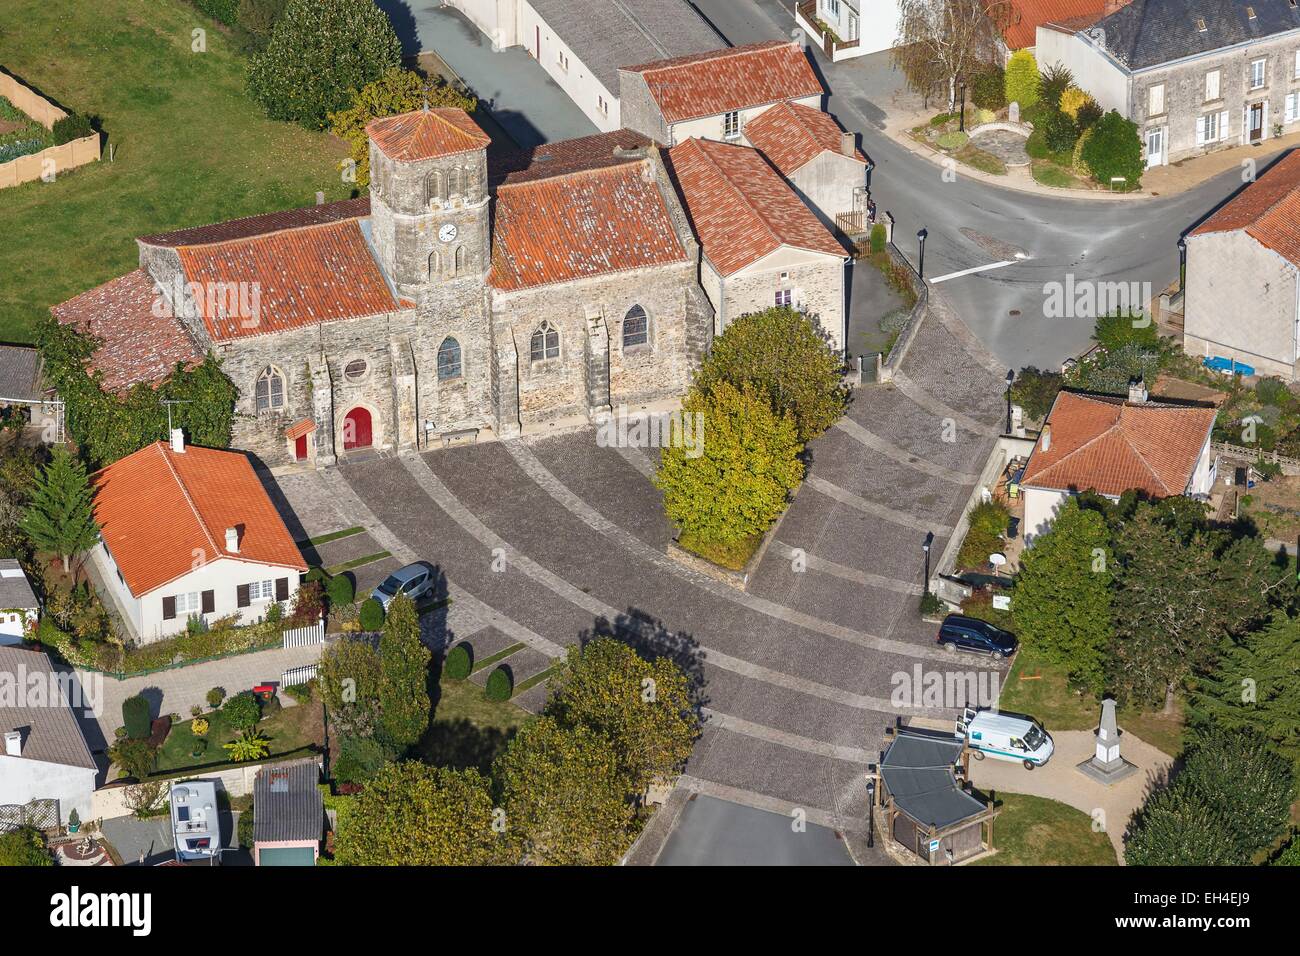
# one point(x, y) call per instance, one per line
point(357, 429)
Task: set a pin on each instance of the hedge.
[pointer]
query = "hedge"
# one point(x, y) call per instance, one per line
point(372, 615)
point(500, 685)
point(458, 664)
point(73, 126)
point(135, 717)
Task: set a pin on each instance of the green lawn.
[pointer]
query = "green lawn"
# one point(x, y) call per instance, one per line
point(468, 730)
point(1049, 174)
point(290, 729)
point(191, 148)
point(1035, 831)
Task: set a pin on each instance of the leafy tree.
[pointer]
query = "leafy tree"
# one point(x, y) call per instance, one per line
point(319, 53)
point(1052, 84)
point(1063, 594)
point(944, 41)
point(1251, 784)
point(1290, 855)
point(1125, 327)
point(645, 708)
point(1256, 686)
point(60, 517)
point(360, 759)
point(780, 355)
point(349, 677)
point(403, 676)
point(1177, 827)
point(258, 19)
point(988, 88)
point(414, 815)
point(1034, 391)
point(1114, 149)
point(1072, 100)
point(24, 847)
point(397, 91)
point(136, 757)
point(135, 717)
point(739, 484)
point(251, 744)
point(1022, 80)
point(242, 711)
point(565, 799)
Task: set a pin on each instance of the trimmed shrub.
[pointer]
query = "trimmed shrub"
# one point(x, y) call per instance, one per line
point(500, 685)
point(242, 711)
point(340, 590)
point(135, 717)
point(73, 126)
point(878, 237)
point(1114, 149)
point(315, 575)
point(988, 89)
point(215, 697)
point(458, 664)
point(371, 615)
point(1021, 79)
point(1088, 114)
point(1059, 133)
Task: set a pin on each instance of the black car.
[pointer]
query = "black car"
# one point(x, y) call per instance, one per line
point(958, 632)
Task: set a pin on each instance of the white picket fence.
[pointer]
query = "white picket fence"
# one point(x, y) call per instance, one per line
point(305, 636)
point(298, 675)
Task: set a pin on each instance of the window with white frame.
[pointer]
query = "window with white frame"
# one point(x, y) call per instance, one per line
point(1211, 85)
point(784, 297)
point(731, 124)
point(1292, 107)
point(1257, 73)
point(188, 603)
point(261, 590)
point(1296, 69)
point(562, 60)
point(1209, 128)
point(1156, 100)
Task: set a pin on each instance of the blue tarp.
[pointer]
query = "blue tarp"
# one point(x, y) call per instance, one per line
point(1220, 364)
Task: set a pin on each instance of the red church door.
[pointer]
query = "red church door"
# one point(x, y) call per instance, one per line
point(300, 448)
point(356, 429)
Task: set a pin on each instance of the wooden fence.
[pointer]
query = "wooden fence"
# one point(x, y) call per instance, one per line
point(53, 160)
point(305, 636)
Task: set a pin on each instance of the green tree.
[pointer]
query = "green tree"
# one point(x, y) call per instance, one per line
point(24, 847)
point(749, 464)
point(135, 717)
point(1063, 594)
point(565, 800)
point(1290, 855)
point(1255, 686)
point(1252, 785)
point(320, 52)
point(413, 815)
point(645, 708)
point(349, 677)
point(60, 517)
point(242, 711)
point(1034, 391)
point(403, 676)
point(397, 91)
point(1177, 827)
point(1022, 79)
point(782, 356)
point(1114, 149)
point(359, 759)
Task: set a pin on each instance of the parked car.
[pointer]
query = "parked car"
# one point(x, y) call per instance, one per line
point(414, 580)
point(958, 632)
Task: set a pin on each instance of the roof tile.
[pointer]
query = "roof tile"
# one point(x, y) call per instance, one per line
point(792, 135)
point(427, 134)
point(1268, 210)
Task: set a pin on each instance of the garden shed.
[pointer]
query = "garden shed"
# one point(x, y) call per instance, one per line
point(289, 815)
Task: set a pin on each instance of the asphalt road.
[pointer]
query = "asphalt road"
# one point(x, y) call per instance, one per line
point(1093, 240)
point(712, 832)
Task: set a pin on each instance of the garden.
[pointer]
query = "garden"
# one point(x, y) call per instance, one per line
point(1035, 831)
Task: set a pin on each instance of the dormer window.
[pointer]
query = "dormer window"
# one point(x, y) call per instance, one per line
point(731, 125)
point(1200, 24)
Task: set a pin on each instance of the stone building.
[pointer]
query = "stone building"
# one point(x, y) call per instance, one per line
point(445, 305)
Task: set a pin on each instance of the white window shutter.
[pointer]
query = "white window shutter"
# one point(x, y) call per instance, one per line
point(1200, 131)
point(1223, 125)
point(1297, 64)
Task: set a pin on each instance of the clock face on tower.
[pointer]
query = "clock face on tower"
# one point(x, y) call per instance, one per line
point(447, 232)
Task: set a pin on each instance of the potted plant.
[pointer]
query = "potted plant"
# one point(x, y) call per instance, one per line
point(74, 821)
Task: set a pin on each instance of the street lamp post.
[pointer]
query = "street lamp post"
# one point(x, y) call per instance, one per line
point(1182, 266)
point(961, 122)
point(871, 808)
point(920, 237)
point(925, 547)
point(870, 166)
point(1011, 377)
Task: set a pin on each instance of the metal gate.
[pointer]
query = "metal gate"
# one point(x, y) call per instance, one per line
point(40, 814)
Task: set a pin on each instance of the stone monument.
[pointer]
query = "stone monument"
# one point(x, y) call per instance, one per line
point(1106, 766)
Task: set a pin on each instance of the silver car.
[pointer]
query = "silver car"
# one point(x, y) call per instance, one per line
point(415, 581)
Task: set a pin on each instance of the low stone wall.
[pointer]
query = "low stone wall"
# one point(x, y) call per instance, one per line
point(905, 337)
point(55, 159)
point(1005, 126)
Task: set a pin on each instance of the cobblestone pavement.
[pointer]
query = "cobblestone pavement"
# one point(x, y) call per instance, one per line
point(547, 539)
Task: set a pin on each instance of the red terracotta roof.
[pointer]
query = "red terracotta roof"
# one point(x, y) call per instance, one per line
point(1268, 210)
point(584, 224)
point(160, 512)
point(301, 276)
point(706, 84)
point(304, 427)
point(134, 344)
point(1111, 445)
point(792, 135)
point(1025, 16)
point(740, 206)
point(263, 224)
point(426, 134)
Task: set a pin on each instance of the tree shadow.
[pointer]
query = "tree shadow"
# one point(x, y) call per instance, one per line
point(651, 639)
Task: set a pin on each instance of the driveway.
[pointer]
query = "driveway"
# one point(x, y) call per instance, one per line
point(545, 540)
point(150, 842)
point(712, 832)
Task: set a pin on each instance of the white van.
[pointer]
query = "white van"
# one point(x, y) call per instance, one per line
point(1005, 737)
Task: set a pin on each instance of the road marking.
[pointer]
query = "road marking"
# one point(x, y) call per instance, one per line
point(965, 272)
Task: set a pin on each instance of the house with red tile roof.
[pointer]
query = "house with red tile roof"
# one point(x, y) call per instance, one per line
point(760, 245)
point(1020, 19)
point(189, 532)
point(715, 95)
point(1112, 444)
point(1241, 298)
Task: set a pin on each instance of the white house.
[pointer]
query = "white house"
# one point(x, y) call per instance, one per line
point(760, 245)
point(189, 532)
point(44, 755)
point(1110, 445)
point(856, 27)
point(19, 608)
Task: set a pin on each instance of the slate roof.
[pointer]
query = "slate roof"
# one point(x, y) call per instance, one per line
point(1025, 16)
point(736, 78)
point(792, 135)
point(288, 804)
point(917, 770)
point(134, 344)
point(608, 34)
point(20, 373)
point(583, 224)
point(159, 511)
point(50, 734)
point(262, 224)
point(1106, 443)
point(740, 206)
point(1146, 33)
point(1268, 210)
point(427, 134)
point(566, 156)
point(15, 590)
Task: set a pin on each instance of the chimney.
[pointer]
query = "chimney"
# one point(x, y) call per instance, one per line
point(1045, 438)
point(848, 143)
point(178, 441)
point(1137, 391)
point(14, 743)
point(232, 540)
